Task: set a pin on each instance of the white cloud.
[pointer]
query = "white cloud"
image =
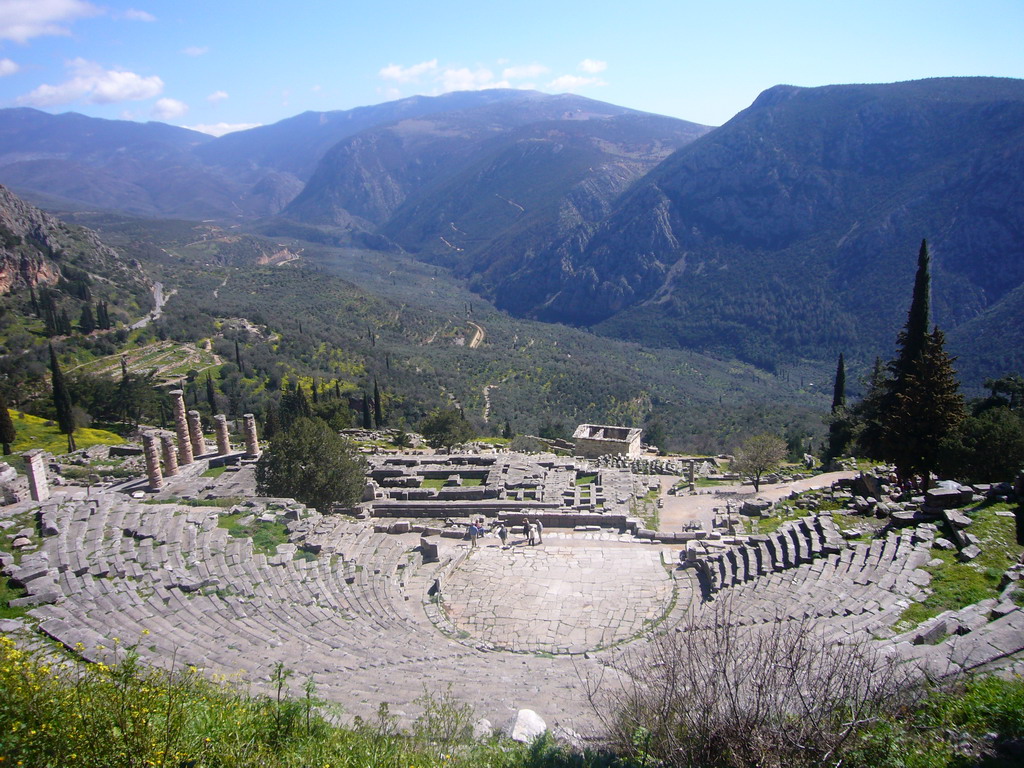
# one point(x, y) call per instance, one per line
point(402, 74)
point(518, 73)
point(90, 82)
point(465, 79)
point(217, 96)
point(219, 129)
point(8, 67)
point(21, 20)
point(196, 50)
point(168, 109)
point(573, 82)
point(592, 66)
point(134, 14)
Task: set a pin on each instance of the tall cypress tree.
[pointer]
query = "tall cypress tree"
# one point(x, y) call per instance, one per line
point(367, 423)
point(840, 426)
point(378, 410)
point(8, 434)
point(920, 403)
point(211, 394)
point(62, 401)
point(839, 387)
point(87, 320)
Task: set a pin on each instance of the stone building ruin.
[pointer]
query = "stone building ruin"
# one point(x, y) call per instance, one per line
point(595, 440)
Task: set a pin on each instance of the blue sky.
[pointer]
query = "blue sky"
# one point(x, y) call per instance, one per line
point(223, 64)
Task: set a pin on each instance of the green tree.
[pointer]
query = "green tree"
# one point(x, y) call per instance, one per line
point(62, 401)
point(445, 428)
point(927, 407)
point(758, 456)
point(311, 462)
point(985, 448)
point(840, 426)
point(367, 421)
point(211, 395)
point(8, 434)
point(87, 320)
point(378, 408)
point(920, 404)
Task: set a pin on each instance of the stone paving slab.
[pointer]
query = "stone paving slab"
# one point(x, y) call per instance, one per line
point(554, 598)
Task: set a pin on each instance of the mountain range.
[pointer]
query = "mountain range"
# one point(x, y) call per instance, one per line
point(788, 233)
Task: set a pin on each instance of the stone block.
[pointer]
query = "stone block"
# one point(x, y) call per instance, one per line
point(968, 553)
point(956, 518)
point(756, 507)
point(868, 486)
point(525, 726)
point(943, 498)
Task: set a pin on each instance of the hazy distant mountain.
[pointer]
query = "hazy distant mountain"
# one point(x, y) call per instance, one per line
point(296, 144)
point(494, 178)
point(792, 230)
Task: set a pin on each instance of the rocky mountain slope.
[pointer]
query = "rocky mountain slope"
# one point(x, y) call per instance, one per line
point(40, 251)
point(450, 185)
point(791, 230)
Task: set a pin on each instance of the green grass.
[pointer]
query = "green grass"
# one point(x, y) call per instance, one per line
point(586, 479)
point(214, 471)
point(36, 432)
point(222, 502)
point(433, 482)
point(127, 714)
point(956, 585)
point(10, 592)
point(265, 535)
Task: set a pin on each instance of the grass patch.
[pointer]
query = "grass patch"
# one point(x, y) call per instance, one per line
point(35, 432)
point(265, 535)
point(10, 592)
point(956, 585)
point(433, 482)
point(223, 502)
point(215, 471)
point(586, 479)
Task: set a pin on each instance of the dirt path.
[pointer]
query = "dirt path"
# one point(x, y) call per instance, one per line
point(478, 335)
point(676, 511)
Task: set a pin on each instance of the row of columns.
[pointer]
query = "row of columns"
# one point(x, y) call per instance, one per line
point(188, 428)
point(161, 445)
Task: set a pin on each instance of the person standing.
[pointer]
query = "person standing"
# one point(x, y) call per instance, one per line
point(540, 531)
point(503, 535)
point(474, 532)
point(526, 528)
point(531, 536)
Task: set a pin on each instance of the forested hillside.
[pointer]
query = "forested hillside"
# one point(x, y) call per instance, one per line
point(790, 231)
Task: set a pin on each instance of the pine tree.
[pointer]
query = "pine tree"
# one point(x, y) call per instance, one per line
point(906, 414)
point(8, 434)
point(926, 407)
point(62, 401)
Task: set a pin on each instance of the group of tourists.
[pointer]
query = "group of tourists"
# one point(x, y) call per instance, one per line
point(533, 533)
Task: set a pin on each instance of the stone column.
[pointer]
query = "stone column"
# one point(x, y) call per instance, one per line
point(38, 487)
point(252, 441)
point(223, 439)
point(693, 481)
point(151, 448)
point(195, 431)
point(170, 455)
point(181, 427)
